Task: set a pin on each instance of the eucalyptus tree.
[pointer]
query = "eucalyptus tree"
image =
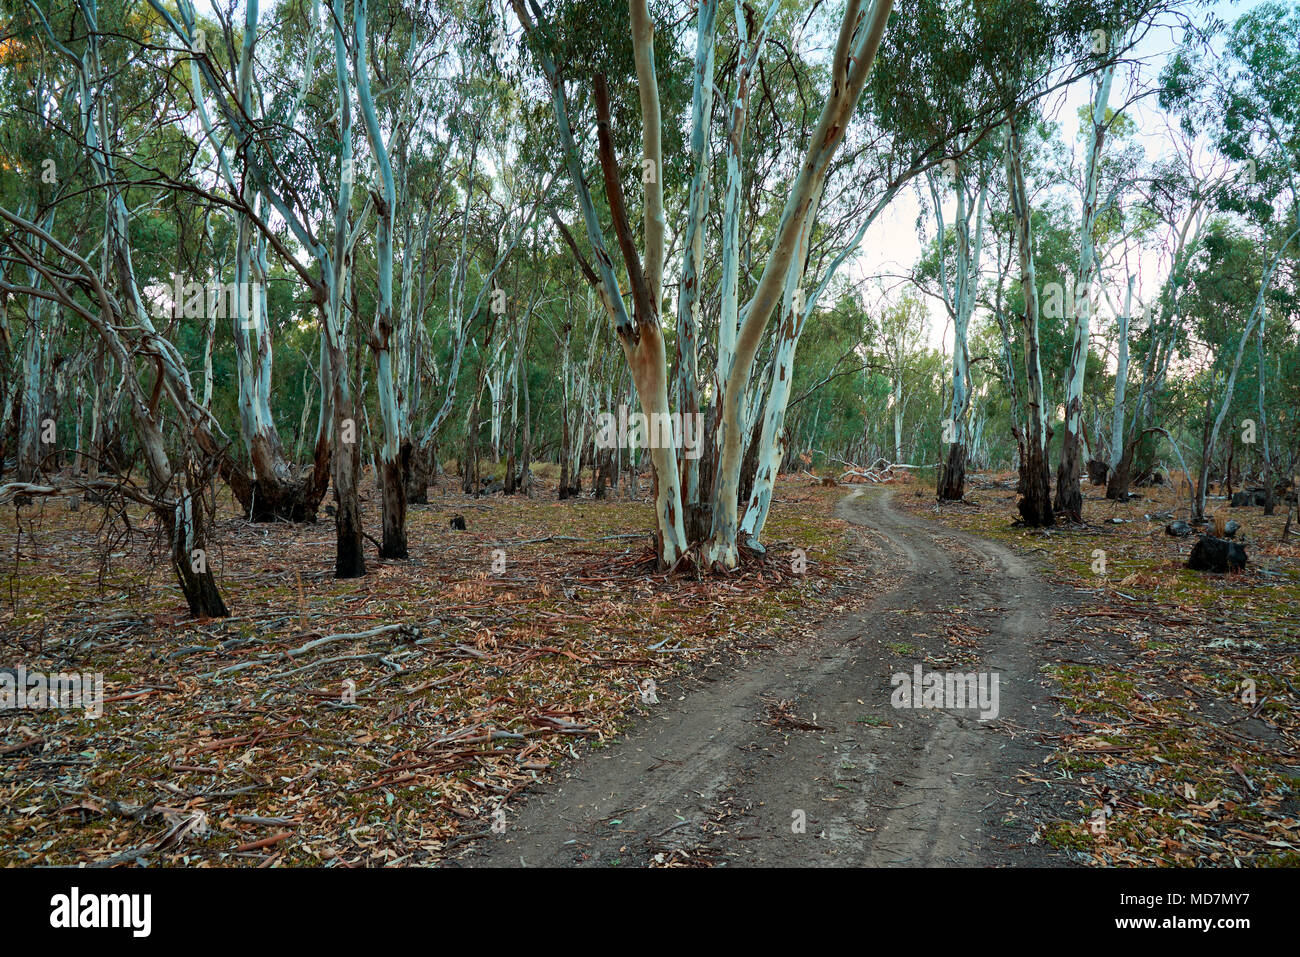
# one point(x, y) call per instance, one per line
point(868, 174)
point(1027, 48)
point(860, 35)
point(937, 101)
point(496, 194)
point(640, 332)
point(578, 338)
point(1035, 504)
point(1229, 279)
point(519, 474)
point(959, 294)
point(690, 291)
point(956, 72)
point(33, 98)
point(109, 297)
point(319, 221)
point(1106, 203)
point(1069, 496)
point(902, 333)
point(276, 489)
point(1179, 194)
point(934, 112)
point(1249, 99)
point(392, 477)
point(1120, 237)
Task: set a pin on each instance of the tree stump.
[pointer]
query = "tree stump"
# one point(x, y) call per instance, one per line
point(1212, 554)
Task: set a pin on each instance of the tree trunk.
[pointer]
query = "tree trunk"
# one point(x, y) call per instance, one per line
point(1035, 505)
point(1263, 426)
point(854, 54)
point(180, 516)
point(749, 463)
point(1117, 485)
point(1069, 496)
point(952, 474)
point(389, 458)
point(951, 485)
point(417, 470)
point(689, 292)
point(35, 371)
point(1118, 410)
point(187, 530)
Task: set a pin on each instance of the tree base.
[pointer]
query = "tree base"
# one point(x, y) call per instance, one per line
point(951, 486)
point(1035, 505)
point(298, 502)
point(394, 512)
point(349, 559)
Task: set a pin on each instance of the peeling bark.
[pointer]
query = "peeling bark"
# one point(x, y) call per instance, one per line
point(1035, 505)
point(1069, 495)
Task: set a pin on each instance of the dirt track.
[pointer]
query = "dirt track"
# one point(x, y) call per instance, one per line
point(709, 778)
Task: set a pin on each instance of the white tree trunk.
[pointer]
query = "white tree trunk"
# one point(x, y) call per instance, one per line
point(1256, 315)
point(1121, 377)
point(854, 54)
point(688, 298)
point(1069, 498)
point(1035, 504)
point(389, 458)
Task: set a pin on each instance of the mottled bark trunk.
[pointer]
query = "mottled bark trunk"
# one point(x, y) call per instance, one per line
point(952, 474)
point(190, 560)
point(388, 460)
point(1069, 496)
point(1117, 484)
point(1035, 505)
point(417, 472)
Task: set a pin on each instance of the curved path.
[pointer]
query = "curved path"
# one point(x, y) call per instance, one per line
point(708, 777)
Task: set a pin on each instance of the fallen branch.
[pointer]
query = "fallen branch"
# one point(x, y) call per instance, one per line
point(407, 632)
point(264, 842)
point(376, 655)
point(565, 538)
point(21, 746)
point(879, 471)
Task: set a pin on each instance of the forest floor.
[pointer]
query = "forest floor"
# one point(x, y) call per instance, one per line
point(1122, 735)
point(536, 632)
point(569, 708)
point(799, 758)
point(1179, 687)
